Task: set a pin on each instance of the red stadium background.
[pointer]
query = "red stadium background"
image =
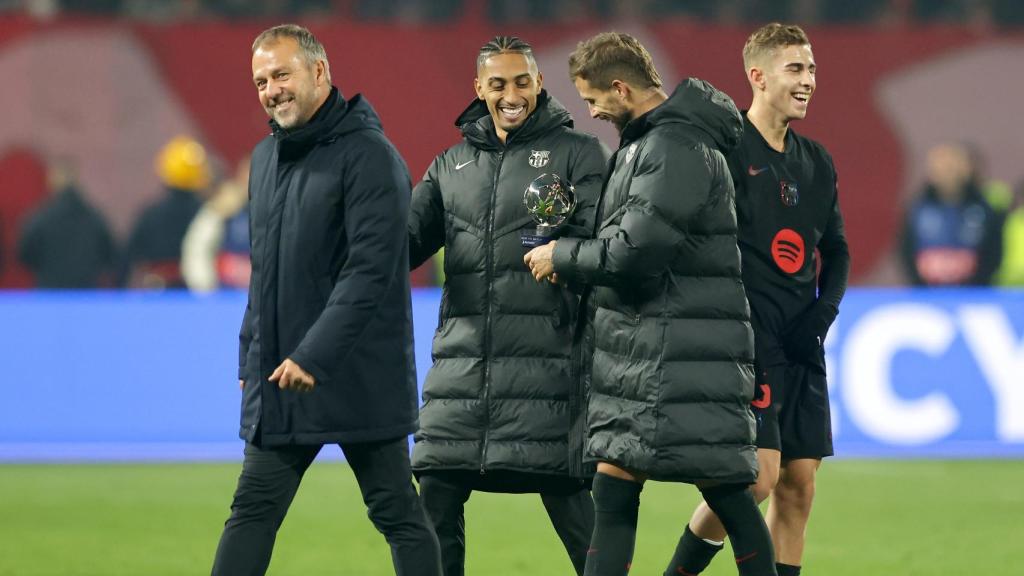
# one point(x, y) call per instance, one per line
point(109, 95)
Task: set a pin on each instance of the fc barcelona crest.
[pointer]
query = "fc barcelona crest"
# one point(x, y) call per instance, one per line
point(539, 158)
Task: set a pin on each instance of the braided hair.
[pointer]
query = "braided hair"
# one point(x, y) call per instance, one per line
point(505, 45)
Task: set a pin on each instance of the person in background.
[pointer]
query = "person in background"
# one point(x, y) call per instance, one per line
point(1011, 269)
point(951, 235)
point(215, 251)
point(66, 243)
point(153, 255)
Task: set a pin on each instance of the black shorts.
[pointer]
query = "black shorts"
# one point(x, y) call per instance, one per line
point(791, 410)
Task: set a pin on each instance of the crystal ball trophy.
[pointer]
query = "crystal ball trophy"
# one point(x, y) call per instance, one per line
point(550, 200)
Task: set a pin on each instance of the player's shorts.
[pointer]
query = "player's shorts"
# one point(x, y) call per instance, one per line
point(791, 410)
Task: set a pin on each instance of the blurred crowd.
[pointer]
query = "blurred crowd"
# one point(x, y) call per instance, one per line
point(195, 236)
point(959, 229)
point(874, 12)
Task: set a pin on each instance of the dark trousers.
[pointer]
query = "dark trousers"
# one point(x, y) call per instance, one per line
point(270, 478)
point(444, 496)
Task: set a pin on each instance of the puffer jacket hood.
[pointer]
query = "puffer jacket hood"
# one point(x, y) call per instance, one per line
point(698, 104)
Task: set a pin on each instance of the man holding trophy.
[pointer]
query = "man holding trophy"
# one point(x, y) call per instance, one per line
point(502, 409)
point(667, 321)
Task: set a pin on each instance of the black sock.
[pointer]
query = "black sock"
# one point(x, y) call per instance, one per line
point(692, 556)
point(616, 504)
point(751, 542)
point(787, 569)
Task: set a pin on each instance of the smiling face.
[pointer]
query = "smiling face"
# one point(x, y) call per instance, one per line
point(509, 84)
point(290, 88)
point(609, 105)
point(783, 81)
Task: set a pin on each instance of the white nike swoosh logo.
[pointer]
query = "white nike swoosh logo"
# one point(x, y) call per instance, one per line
point(463, 164)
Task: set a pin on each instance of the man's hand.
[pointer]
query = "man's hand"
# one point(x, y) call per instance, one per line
point(539, 261)
point(803, 342)
point(241, 384)
point(290, 375)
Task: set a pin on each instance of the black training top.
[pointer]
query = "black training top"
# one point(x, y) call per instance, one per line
point(787, 205)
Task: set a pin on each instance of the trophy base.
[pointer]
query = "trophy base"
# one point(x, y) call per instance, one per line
point(538, 237)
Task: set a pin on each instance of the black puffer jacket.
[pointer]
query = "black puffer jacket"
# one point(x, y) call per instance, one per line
point(673, 349)
point(330, 284)
point(500, 395)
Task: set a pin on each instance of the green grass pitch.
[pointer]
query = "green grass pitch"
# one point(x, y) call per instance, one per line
point(897, 518)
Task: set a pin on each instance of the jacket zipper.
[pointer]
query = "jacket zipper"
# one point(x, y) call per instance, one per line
point(577, 410)
point(487, 320)
point(579, 371)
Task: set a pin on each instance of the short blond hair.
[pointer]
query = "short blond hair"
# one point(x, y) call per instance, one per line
point(769, 38)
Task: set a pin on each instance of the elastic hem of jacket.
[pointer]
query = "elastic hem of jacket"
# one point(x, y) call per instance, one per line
point(421, 469)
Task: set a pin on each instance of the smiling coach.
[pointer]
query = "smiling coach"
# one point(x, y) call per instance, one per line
point(326, 343)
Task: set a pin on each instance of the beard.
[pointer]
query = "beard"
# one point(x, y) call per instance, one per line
point(622, 119)
point(293, 115)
